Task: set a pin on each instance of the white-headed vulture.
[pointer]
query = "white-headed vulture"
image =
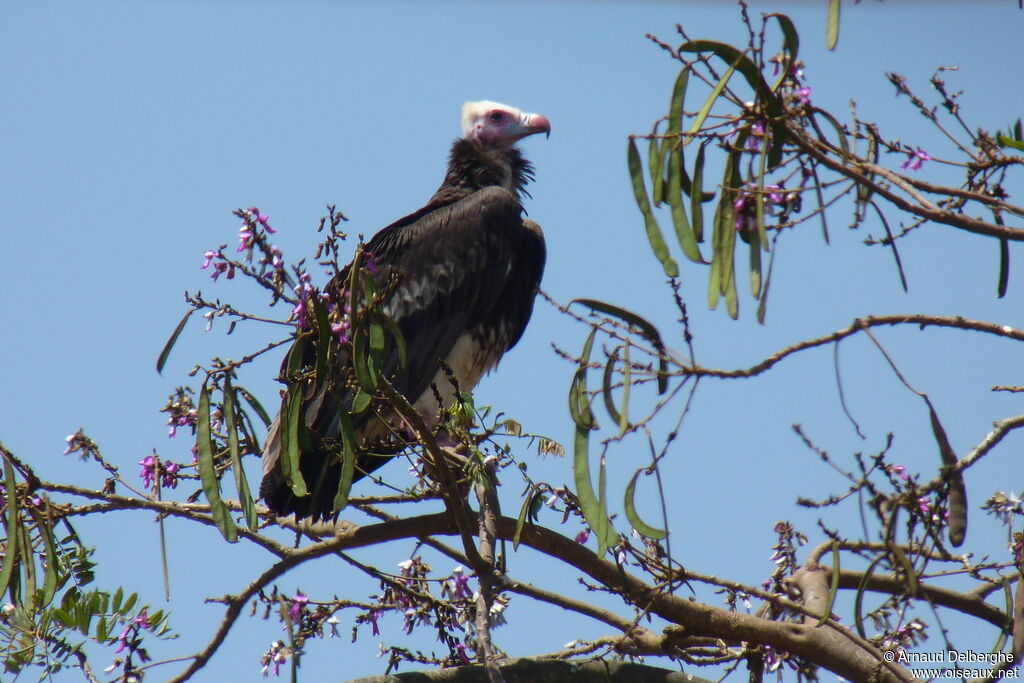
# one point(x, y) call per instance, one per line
point(458, 277)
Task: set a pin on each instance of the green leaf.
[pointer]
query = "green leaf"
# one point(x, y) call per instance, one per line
point(375, 358)
point(627, 384)
point(642, 527)
point(396, 334)
point(755, 269)
point(684, 233)
point(348, 460)
point(696, 194)
point(858, 602)
point(290, 454)
point(241, 483)
point(527, 512)
point(1005, 141)
point(579, 403)
point(722, 276)
point(323, 342)
point(957, 497)
point(360, 360)
point(654, 152)
point(702, 115)
point(593, 508)
point(1004, 267)
point(594, 512)
point(162, 359)
point(251, 400)
point(654, 235)
point(844, 146)
point(606, 387)
point(12, 523)
point(52, 565)
point(646, 328)
point(833, 586)
point(762, 232)
point(361, 401)
point(832, 28)
point(740, 62)
point(790, 44)
point(208, 472)
point(675, 107)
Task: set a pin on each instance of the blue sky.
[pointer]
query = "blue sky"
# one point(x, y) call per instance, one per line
point(130, 131)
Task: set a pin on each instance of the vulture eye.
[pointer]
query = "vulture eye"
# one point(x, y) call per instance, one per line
point(496, 116)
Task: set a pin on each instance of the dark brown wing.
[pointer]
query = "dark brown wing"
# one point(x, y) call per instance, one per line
point(465, 266)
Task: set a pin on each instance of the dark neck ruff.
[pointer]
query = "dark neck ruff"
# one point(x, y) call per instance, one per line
point(473, 165)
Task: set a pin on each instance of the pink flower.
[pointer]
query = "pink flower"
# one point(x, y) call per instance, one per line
point(915, 159)
point(262, 219)
point(583, 536)
point(148, 471)
point(299, 603)
point(169, 476)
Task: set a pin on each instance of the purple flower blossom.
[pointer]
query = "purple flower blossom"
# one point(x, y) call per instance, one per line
point(148, 471)
point(302, 291)
point(460, 649)
point(915, 159)
point(372, 618)
point(583, 536)
point(371, 263)
point(745, 212)
point(804, 95)
point(122, 640)
point(142, 620)
point(298, 606)
point(755, 141)
point(222, 267)
point(180, 421)
point(262, 219)
point(169, 475)
point(208, 256)
point(775, 195)
point(620, 556)
point(72, 441)
point(244, 239)
point(459, 584)
point(899, 470)
point(338, 331)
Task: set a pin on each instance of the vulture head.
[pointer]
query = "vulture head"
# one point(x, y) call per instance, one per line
point(500, 125)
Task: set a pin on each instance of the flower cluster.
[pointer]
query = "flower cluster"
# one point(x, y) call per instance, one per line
point(181, 411)
point(303, 291)
point(909, 635)
point(297, 608)
point(457, 587)
point(1004, 506)
point(152, 467)
point(278, 654)
point(915, 159)
point(777, 203)
point(81, 444)
point(221, 264)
